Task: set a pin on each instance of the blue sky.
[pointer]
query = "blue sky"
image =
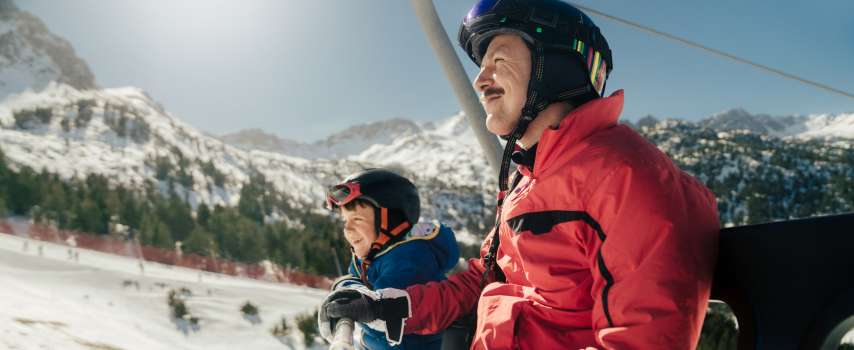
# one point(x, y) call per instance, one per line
point(304, 69)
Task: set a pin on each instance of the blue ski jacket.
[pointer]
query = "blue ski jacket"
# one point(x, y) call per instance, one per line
point(425, 254)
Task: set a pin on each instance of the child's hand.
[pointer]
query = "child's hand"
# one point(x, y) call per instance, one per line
point(383, 310)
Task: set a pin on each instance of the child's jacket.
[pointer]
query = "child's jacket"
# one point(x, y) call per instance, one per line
point(426, 253)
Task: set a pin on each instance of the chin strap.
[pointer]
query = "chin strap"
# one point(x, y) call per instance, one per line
point(533, 106)
point(385, 236)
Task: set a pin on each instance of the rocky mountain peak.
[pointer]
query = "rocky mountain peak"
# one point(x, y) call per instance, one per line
point(31, 55)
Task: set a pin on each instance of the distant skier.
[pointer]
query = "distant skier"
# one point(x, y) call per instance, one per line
point(391, 249)
point(179, 253)
point(600, 240)
point(71, 241)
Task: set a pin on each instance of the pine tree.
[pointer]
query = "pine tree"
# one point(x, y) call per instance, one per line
point(203, 214)
point(176, 214)
point(200, 241)
point(90, 217)
point(251, 199)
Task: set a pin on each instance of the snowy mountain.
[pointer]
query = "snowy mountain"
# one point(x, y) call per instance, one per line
point(123, 134)
point(815, 126)
point(31, 56)
point(759, 178)
point(444, 151)
point(348, 142)
point(257, 139)
point(126, 136)
point(804, 127)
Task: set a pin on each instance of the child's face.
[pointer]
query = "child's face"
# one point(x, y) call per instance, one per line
point(359, 229)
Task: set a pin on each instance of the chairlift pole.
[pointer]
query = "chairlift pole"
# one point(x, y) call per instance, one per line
point(337, 262)
point(438, 38)
point(343, 335)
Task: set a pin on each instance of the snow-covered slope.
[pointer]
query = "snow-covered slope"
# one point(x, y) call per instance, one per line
point(814, 126)
point(50, 302)
point(31, 56)
point(826, 126)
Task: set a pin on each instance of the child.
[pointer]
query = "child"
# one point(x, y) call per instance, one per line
point(391, 249)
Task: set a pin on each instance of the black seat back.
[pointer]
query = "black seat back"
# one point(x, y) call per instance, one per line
point(790, 284)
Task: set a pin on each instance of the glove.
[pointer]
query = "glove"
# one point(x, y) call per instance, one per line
point(326, 325)
point(384, 310)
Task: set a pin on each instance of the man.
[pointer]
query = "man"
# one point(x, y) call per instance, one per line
point(602, 242)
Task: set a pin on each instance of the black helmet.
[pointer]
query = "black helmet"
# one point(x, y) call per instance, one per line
point(395, 197)
point(558, 27)
point(570, 59)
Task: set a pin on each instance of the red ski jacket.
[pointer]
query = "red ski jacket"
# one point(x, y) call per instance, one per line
point(605, 244)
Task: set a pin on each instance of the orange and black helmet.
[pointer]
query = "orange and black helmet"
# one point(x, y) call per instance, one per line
point(395, 198)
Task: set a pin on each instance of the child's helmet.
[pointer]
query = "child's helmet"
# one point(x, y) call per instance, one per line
point(395, 197)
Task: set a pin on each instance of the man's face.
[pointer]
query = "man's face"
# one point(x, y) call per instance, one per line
point(503, 82)
point(359, 229)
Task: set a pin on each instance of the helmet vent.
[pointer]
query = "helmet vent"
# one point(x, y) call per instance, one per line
point(539, 16)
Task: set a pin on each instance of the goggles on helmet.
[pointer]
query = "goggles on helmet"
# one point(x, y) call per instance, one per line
point(341, 194)
point(479, 9)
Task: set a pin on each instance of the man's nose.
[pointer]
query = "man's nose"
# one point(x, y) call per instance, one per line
point(485, 78)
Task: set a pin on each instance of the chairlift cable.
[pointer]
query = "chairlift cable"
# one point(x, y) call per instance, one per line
point(715, 51)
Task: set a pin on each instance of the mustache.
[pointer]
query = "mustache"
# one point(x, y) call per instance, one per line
point(490, 91)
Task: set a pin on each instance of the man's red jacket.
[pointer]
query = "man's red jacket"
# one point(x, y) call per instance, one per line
point(605, 244)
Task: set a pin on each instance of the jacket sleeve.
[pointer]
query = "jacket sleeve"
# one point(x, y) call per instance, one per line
point(436, 305)
point(652, 246)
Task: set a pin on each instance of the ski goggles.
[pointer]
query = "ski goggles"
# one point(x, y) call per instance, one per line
point(341, 194)
point(481, 8)
point(488, 18)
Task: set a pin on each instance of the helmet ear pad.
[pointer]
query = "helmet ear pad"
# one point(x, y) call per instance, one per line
point(564, 77)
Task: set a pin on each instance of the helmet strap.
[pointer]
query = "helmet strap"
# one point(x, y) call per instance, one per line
point(534, 104)
point(385, 235)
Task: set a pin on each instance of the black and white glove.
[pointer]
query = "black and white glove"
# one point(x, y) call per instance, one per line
point(384, 310)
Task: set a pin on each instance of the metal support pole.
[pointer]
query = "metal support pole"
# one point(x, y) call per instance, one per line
point(432, 26)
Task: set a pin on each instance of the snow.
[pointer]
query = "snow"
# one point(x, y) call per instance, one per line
point(50, 302)
point(828, 126)
point(448, 153)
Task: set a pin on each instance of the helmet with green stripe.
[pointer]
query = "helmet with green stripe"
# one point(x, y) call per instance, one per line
point(570, 59)
point(576, 57)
